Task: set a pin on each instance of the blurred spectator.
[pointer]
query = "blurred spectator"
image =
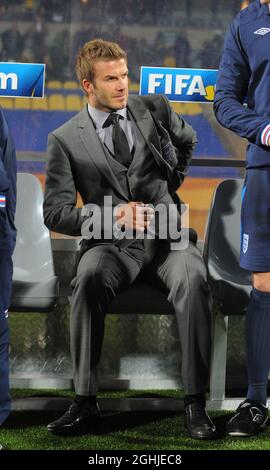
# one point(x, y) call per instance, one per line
point(35, 41)
point(50, 73)
point(12, 43)
point(215, 7)
point(209, 55)
point(169, 60)
point(56, 10)
point(182, 50)
point(3, 8)
point(57, 61)
point(189, 10)
point(29, 9)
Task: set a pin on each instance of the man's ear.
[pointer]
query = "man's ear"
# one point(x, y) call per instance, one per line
point(87, 86)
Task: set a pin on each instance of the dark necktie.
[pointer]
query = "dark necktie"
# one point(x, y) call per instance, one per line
point(120, 143)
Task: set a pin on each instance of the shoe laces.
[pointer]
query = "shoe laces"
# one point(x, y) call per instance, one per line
point(256, 409)
point(247, 404)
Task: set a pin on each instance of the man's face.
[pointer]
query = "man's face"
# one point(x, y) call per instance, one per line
point(109, 89)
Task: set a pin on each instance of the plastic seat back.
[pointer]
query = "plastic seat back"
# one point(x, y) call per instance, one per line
point(230, 284)
point(35, 286)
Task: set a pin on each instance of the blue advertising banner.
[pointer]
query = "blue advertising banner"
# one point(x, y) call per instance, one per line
point(179, 85)
point(23, 80)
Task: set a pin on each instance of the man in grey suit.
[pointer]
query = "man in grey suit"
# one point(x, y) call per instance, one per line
point(132, 152)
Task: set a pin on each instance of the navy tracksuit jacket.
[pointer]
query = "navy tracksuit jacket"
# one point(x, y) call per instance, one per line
point(7, 244)
point(245, 72)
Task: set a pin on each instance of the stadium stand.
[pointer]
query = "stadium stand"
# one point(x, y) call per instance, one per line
point(187, 109)
point(22, 103)
point(134, 87)
point(73, 103)
point(54, 84)
point(40, 104)
point(60, 110)
point(70, 85)
point(7, 103)
point(56, 102)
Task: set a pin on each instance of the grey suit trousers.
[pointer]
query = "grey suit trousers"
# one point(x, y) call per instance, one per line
point(104, 271)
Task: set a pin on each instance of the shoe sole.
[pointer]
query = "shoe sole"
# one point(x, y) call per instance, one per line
point(74, 432)
point(85, 429)
point(243, 434)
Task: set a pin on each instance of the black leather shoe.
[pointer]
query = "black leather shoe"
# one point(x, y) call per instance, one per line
point(80, 418)
point(198, 423)
point(249, 419)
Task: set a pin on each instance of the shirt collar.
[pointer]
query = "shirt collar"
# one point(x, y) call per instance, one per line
point(99, 117)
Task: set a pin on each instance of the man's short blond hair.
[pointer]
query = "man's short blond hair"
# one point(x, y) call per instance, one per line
point(95, 50)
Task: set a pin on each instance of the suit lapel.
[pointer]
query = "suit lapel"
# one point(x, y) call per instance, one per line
point(145, 122)
point(95, 151)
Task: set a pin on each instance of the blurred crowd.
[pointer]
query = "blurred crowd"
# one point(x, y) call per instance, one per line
point(29, 36)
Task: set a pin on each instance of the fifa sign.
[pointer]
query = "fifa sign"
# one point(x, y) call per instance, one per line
point(182, 85)
point(22, 80)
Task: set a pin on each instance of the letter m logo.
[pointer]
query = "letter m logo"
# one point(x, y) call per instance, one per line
point(5, 77)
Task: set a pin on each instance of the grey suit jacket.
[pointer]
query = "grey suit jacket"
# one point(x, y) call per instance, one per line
point(77, 162)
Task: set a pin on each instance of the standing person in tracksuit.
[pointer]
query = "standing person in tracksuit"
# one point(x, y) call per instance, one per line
point(245, 73)
point(7, 244)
